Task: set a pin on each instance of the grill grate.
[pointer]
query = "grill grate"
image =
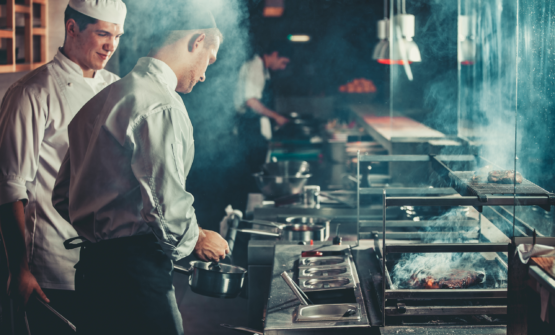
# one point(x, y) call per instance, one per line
point(462, 178)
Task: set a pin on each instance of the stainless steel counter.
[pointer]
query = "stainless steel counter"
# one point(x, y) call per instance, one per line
point(283, 304)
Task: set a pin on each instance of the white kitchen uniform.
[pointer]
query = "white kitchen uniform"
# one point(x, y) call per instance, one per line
point(131, 149)
point(34, 116)
point(252, 79)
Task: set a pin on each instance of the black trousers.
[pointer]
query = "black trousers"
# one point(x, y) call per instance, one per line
point(43, 322)
point(124, 286)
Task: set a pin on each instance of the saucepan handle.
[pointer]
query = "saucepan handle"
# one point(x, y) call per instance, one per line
point(258, 232)
point(183, 270)
point(265, 223)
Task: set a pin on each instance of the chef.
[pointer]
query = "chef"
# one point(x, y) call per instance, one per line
point(253, 103)
point(122, 184)
point(34, 116)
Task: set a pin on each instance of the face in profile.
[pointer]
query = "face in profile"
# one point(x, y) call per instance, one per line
point(277, 62)
point(97, 43)
point(203, 55)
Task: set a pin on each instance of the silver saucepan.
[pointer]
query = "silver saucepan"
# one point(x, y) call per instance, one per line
point(214, 279)
point(289, 231)
point(311, 220)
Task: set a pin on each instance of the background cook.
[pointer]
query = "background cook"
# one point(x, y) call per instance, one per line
point(34, 116)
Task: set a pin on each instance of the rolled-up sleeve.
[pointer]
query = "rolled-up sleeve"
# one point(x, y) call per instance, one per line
point(60, 193)
point(158, 155)
point(22, 124)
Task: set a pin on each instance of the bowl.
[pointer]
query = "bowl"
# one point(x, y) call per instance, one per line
point(278, 186)
point(286, 168)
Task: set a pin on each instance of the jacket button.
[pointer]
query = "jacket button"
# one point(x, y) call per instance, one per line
point(69, 84)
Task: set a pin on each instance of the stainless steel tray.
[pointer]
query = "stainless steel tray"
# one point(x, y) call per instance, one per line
point(327, 283)
point(328, 271)
point(329, 312)
point(333, 261)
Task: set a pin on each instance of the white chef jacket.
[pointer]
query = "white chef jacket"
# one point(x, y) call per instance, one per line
point(34, 116)
point(131, 149)
point(252, 79)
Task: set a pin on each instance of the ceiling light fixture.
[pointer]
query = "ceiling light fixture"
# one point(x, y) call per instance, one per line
point(467, 45)
point(298, 38)
point(381, 50)
point(404, 50)
point(273, 8)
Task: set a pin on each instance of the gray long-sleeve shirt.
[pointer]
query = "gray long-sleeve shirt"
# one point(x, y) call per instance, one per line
point(130, 151)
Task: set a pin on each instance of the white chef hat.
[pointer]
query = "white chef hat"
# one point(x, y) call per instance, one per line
point(113, 11)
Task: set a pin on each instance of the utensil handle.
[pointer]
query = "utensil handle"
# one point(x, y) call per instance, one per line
point(183, 270)
point(293, 288)
point(243, 329)
point(264, 223)
point(258, 232)
point(57, 314)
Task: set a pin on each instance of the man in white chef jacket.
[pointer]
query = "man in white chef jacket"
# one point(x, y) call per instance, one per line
point(122, 184)
point(34, 116)
point(252, 101)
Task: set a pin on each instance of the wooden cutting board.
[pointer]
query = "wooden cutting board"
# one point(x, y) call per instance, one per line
point(546, 263)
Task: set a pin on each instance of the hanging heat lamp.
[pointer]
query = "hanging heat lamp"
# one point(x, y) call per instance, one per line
point(381, 50)
point(404, 50)
point(467, 46)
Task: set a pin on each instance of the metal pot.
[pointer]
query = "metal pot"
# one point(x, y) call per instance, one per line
point(279, 179)
point(312, 220)
point(289, 232)
point(214, 279)
point(277, 186)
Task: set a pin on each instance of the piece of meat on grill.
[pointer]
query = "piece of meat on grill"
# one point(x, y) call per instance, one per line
point(504, 177)
point(454, 279)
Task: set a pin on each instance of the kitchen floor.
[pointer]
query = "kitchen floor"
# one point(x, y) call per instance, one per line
point(203, 315)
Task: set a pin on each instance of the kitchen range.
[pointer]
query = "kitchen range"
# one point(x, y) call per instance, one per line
point(386, 167)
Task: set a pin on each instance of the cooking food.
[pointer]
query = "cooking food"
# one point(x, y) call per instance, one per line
point(476, 179)
point(453, 279)
point(504, 177)
point(359, 85)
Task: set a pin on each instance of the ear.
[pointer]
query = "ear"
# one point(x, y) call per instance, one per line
point(71, 28)
point(195, 41)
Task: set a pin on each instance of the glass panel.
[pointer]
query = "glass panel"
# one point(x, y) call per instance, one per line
point(536, 98)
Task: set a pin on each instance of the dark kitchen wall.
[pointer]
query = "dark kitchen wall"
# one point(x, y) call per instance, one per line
point(343, 35)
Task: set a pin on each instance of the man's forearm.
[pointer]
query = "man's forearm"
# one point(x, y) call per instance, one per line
point(259, 108)
point(12, 228)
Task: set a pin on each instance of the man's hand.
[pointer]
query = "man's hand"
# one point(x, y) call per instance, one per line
point(280, 120)
point(211, 246)
point(22, 287)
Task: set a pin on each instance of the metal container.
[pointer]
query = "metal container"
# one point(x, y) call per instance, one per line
point(321, 261)
point(336, 151)
point(319, 272)
point(279, 179)
point(311, 220)
point(278, 186)
point(286, 168)
point(329, 312)
point(214, 280)
point(328, 283)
